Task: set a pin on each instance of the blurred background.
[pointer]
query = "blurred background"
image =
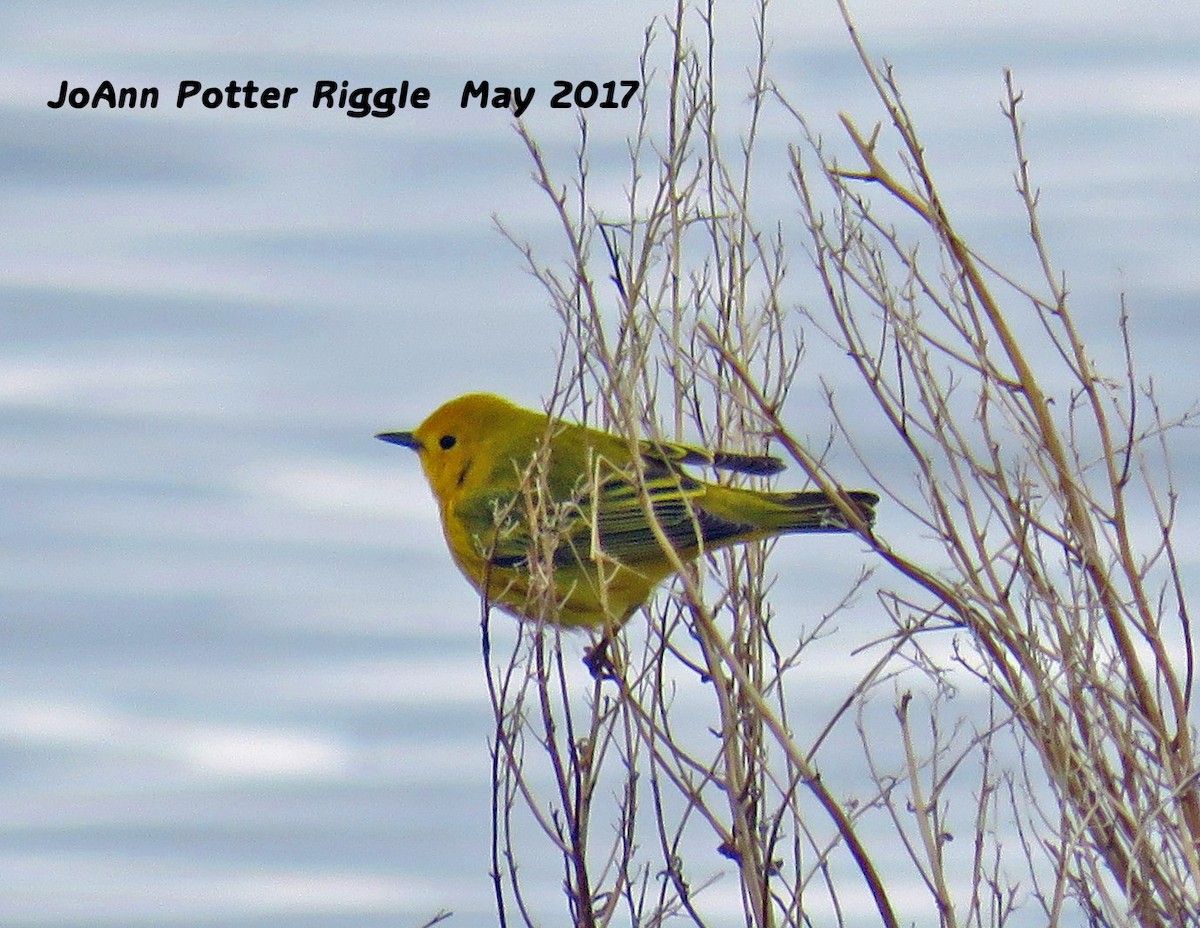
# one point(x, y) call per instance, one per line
point(240, 680)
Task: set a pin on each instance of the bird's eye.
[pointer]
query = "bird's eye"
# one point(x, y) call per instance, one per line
point(447, 442)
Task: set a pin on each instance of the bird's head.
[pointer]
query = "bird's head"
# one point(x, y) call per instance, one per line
point(454, 438)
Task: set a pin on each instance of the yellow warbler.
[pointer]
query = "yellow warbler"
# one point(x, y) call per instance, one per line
point(605, 554)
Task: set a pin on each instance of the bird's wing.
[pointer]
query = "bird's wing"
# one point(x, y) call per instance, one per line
point(625, 531)
point(615, 516)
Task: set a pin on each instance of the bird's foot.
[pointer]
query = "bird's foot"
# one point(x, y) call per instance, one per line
point(600, 661)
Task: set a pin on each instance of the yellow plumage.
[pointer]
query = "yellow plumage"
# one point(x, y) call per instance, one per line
point(593, 530)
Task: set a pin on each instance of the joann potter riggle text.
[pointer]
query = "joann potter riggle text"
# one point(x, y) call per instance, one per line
point(355, 101)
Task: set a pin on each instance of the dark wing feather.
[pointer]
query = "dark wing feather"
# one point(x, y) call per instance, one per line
point(672, 455)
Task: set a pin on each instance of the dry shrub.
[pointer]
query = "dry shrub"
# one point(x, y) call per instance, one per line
point(690, 783)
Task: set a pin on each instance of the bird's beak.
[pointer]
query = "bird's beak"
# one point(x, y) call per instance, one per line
point(407, 439)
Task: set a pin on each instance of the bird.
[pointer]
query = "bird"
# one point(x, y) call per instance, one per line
point(523, 495)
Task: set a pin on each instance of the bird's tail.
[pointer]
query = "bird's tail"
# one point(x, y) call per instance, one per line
point(813, 511)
